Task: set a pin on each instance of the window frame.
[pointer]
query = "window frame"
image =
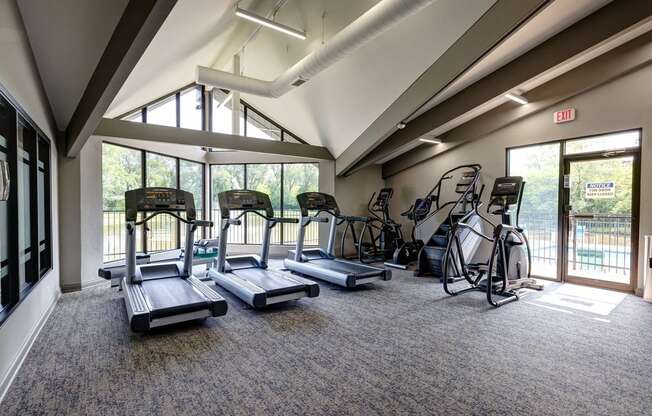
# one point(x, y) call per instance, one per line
point(12, 296)
point(143, 184)
point(282, 193)
point(207, 111)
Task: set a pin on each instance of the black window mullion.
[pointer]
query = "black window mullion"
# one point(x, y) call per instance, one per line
point(10, 283)
point(244, 121)
point(245, 217)
point(30, 147)
point(143, 113)
point(143, 183)
point(178, 166)
point(282, 204)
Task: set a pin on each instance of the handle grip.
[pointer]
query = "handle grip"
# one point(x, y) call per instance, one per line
point(285, 220)
point(203, 223)
point(234, 221)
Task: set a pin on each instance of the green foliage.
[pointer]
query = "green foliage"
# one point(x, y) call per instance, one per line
point(161, 171)
point(619, 171)
point(299, 178)
point(121, 171)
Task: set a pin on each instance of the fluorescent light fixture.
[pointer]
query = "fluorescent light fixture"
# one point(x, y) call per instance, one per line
point(269, 23)
point(430, 140)
point(515, 97)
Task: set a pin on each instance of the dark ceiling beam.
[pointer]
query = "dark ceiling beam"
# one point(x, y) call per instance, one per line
point(135, 30)
point(625, 59)
point(109, 127)
point(580, 37)
point(488, 31)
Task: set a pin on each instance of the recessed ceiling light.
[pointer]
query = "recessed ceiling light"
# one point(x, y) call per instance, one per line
point(432, 140)
point(518, 98)
point(401, 125)
point(270, 23)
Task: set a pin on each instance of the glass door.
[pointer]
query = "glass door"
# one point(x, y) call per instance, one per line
point(600, 219)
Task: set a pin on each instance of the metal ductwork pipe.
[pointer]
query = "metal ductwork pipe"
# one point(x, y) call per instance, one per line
point(372, 23)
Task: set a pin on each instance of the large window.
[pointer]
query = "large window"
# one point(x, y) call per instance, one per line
point(282, 182)
point(185, 109)
point(25, 214)
point(125, 168)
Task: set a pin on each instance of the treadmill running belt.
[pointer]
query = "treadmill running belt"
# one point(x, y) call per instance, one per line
point(347, 268)
point(274, 283)
point(172, 296)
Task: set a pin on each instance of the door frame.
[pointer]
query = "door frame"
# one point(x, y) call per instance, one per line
point(564, 196)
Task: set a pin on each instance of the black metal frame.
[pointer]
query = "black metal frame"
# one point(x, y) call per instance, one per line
point(282, 195)
point(206, 121)
point(38, 145)
point(562, 227)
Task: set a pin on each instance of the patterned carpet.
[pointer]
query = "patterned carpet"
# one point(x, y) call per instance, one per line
point(397, 347)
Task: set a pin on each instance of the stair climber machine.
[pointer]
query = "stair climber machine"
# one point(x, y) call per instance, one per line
point(247, 276)
point(322, 264)
point(431, 255)
point(408, 251)
point(164, 293)
point(507, 270)
point(383, 234)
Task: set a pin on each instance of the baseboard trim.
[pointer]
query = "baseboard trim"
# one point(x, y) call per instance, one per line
point(71, 287)
point(24, 350)
point(93, 283)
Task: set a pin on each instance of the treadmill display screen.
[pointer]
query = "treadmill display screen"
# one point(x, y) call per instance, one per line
point(158, 199)
point(238, 200)
point(317, 201)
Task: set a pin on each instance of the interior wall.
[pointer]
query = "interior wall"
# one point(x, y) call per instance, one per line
point(352, 194)
point(19, 78)
point(619, 105)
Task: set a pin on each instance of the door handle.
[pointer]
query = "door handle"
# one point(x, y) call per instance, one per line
point(5, 180)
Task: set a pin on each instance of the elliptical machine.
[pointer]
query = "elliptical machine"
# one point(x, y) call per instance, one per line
point(508, 268)
point(384, 234)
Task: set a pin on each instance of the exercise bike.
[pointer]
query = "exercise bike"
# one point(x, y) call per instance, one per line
point(383, 234)
point(508, 267)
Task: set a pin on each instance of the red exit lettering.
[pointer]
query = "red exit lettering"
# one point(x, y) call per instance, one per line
point(564, 116)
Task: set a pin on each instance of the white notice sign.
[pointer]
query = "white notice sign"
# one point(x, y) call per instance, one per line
point(600, 190)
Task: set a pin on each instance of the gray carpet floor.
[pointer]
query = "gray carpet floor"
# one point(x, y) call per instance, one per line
point(397, 347)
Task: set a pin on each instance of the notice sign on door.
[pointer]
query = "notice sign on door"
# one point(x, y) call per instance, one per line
point(600, 190)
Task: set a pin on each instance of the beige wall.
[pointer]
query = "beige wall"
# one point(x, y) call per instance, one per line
point(620, 105)
point(19, 78)
point(353, 193)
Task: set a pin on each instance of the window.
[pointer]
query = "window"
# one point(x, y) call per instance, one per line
point(539, 167)
point(121, 171)
point(126, 168)
point(191, 179)
point(614, 141)
point(221, 113)
point(299, 178)
point(163, 112)
point(224, 178)
point(260, 127)
point(266, 179)
point(136, 117)
point(188, 103)
point(25, 217)
point(161, 171)
point(282, 182)
point(190, 109)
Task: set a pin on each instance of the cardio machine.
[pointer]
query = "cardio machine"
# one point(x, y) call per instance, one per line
point(383, 234)
point(432, 253)
point(322, 264)
point(164, 293)
point(247, 276)
point(508, 268)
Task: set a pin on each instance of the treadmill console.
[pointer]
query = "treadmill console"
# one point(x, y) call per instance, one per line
point(317, 201)
point(159, 199)
point(244, 200)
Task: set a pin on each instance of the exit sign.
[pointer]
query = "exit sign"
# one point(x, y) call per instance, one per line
point(564, 116)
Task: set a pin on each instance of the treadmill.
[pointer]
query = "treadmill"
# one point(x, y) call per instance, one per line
point(322, 264)
point(164, 293)
point(247, 276)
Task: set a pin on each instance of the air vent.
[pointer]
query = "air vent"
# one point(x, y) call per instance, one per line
point(299, 81)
